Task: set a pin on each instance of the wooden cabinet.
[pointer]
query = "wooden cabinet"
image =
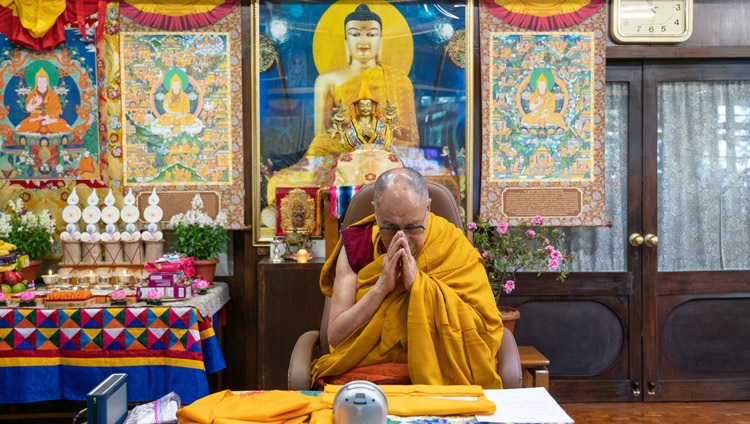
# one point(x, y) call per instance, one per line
point(289, 303)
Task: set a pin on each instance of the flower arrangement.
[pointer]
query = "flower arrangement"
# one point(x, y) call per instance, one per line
point(27, 299)
point(509, 249)
point(153, 297)
point(117, 298)
point(29, 232)
point(197, 234)
point(201, 286)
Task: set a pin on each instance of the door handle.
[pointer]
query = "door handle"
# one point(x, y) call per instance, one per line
point(651, 240)
point(635, 239)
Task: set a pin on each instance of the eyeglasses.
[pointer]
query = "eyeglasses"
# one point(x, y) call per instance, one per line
point(410, 230)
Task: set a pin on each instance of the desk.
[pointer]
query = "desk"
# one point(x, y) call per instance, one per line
point(51, 354)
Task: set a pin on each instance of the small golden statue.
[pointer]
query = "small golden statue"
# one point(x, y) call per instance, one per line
point(297, 241)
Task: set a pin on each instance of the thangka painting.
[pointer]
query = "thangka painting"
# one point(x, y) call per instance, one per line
point(542, 126)
point(48, 114)
point(541, 116)
point(347, 89)
point(176, 108)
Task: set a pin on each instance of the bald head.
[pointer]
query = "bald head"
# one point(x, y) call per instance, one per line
point(403, 183)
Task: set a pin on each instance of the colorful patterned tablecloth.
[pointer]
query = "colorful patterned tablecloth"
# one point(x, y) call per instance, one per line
point(48, 354)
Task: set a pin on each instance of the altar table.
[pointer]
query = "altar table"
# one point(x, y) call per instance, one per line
point(52, 354)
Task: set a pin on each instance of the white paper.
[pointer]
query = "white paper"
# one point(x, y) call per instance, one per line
point(533, 405)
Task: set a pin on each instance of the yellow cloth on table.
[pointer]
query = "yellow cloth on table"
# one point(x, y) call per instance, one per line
point(420, 399)
point(278, 406)
point(449, 319)
point(275, 406)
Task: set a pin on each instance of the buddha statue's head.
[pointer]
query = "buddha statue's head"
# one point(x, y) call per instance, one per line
point(363, 36)
point(365, 105)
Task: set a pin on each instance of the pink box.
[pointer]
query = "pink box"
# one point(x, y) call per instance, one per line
point(164, 279)
point(173, 292)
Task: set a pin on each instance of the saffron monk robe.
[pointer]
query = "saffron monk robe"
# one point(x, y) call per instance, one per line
point(411, 302)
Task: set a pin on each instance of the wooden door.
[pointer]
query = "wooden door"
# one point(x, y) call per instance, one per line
point(696, 136)
point(589, 327)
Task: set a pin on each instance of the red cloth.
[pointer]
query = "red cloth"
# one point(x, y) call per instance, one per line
point(177, 23)
point(388, 373)
point(75, 13)
point(358, 244)
point(542, 23)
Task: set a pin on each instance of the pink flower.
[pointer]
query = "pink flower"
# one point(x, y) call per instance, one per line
point(200, 284)
point(472, 226)
point(530, 233)
point(509, 286)
point(485, 254)
point(546, 241)
point(553, 264)
point(537, 220)
point(154, 294)
point(556, 254)
point(502, 228)
point(2, 297)
point(549, 248)
point(26, 296)
point(118, 294)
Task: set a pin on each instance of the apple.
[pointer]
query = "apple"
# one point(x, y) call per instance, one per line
point(12, 277)
point(18, 288)
point(7, 289)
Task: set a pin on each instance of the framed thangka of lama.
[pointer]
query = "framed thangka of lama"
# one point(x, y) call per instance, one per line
point(48, 114)
point(344, 90)
point(176, 109)
point(543, 126)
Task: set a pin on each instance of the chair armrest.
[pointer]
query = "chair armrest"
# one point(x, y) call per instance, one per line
point(298, 377)
point(509, 362)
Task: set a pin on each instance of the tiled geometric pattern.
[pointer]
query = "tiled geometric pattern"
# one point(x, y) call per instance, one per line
point(101, 330)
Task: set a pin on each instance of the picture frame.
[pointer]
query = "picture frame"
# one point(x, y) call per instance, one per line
point(305, 80)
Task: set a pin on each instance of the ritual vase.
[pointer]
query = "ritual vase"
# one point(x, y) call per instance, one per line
point(30, 272)
point(206, 269)
point(91, 253)
point(132, 252)
point(112, 252)
point(154, 249)
point(509, 316)
point(71, 252)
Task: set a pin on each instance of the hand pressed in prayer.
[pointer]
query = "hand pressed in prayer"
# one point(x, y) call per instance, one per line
point(391, 266)
point(407, 267)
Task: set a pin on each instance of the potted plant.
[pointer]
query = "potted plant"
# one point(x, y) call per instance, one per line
point(198, 235)
point(506, 250)
point(29, 232)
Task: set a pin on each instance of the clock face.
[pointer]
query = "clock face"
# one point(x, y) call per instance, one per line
point(651, 21)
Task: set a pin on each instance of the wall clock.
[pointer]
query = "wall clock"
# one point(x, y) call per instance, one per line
point(651, 21)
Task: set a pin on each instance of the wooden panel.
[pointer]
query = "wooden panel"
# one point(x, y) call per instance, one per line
point(558, 319)
point(289, 303)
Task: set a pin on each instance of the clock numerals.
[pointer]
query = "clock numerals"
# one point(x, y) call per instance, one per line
point(639, 21)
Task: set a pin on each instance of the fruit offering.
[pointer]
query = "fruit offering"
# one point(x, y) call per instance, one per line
point(69, 295)
point(14, 288)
